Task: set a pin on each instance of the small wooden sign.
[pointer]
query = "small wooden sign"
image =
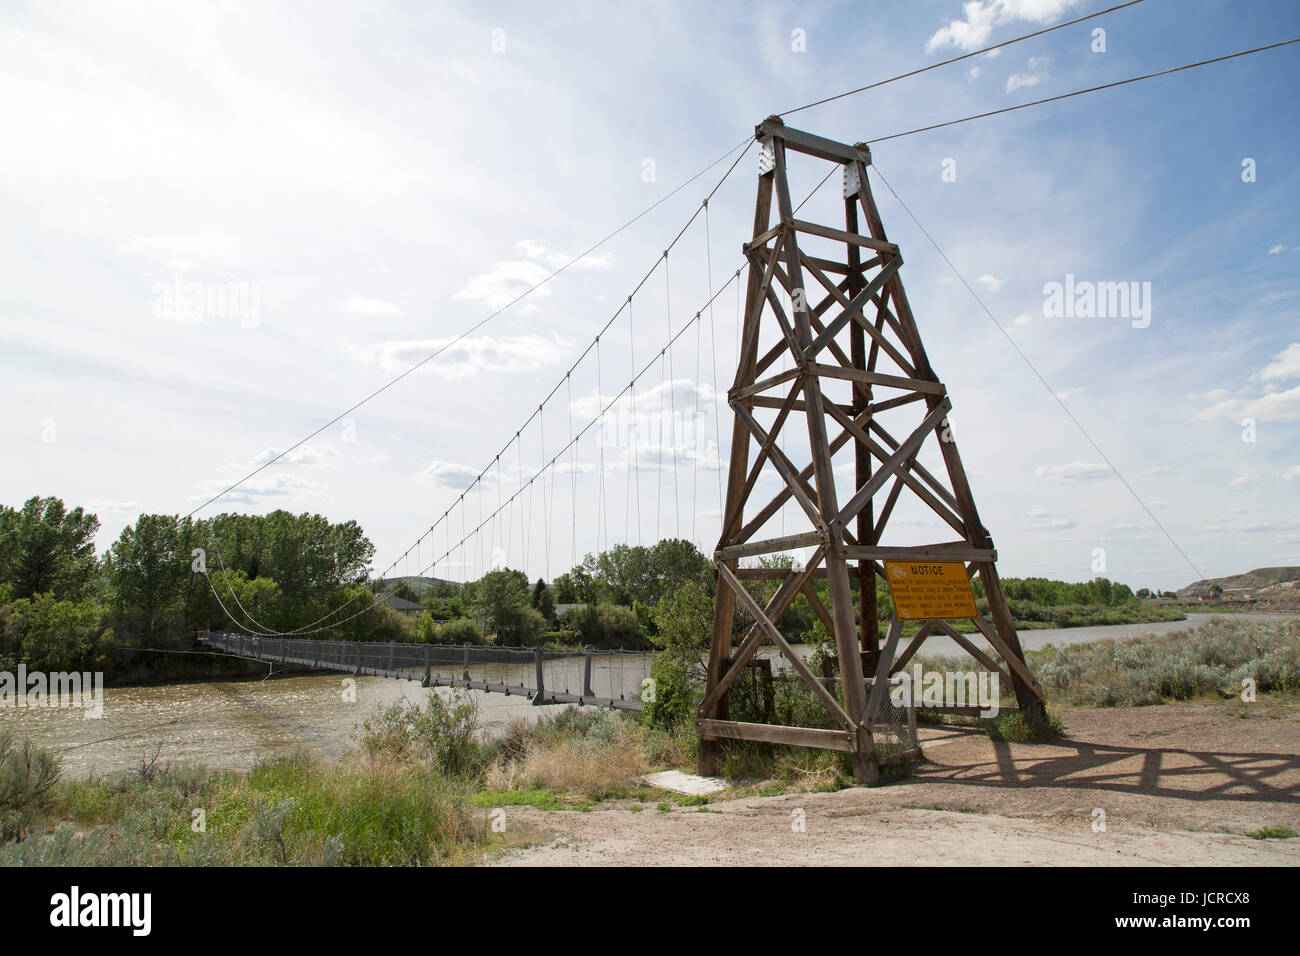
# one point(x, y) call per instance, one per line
point(930, 590)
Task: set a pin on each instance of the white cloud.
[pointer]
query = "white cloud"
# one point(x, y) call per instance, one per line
point(1016, 80)
point(1292, 473)
point(1037, 72)
point(468, 357)
point(1157, 470)
point(979, 17)
point(973, 72)
point(680, 394)
point(362, 306)
point(448, 474)
point(1045, 521)
point(184, 252)
point(1074, 471)
point(991, 282)
point(265, 485)
point(1241, 481)
point(1255, 527)
point(1285, 365)
point(535, 250)
point(507, 280)
point(115, 509)
point(1023, 320)
point(649, 457)
point(1276, 249)
point(312, 457)
point(1277, 407)
point(504, 283)
point(1281, 406)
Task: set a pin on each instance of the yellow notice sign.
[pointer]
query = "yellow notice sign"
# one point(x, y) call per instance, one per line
point(930, 590)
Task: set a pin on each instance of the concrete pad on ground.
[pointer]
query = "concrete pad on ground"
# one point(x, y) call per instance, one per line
point(687, 783)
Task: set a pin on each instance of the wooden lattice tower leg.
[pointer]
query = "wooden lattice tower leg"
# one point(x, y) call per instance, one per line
point(871, 325)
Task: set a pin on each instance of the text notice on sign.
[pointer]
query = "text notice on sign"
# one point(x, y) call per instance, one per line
point(930, 590)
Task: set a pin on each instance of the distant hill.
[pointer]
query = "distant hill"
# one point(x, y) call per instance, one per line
point(1264, 588)
point(419, 584)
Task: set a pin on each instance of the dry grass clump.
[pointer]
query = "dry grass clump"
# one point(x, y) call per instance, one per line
point(592, 754)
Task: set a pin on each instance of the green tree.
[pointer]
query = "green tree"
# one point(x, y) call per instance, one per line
point(544, 599)
point(44, 547)
point(576, 586)
point(500, 601)
point(460, 630)
point(149, 570)
point(610, 625)
point(685, 622)
point(54, 635)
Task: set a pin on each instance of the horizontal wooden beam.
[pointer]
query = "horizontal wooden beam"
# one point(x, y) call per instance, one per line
point(775, 734)
point(878, 378)
point(810, 144)
point(772, 574)
point(737, 394)
point(763, 238)
point(767, 401)
point(957, 551)
point(770, 546)
point(839, 235)
point(840, 268)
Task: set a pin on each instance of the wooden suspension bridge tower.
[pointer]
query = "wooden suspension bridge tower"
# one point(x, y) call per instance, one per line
point(848, 359)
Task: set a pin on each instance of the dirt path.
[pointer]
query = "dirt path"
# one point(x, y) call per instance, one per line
point(1179, 785)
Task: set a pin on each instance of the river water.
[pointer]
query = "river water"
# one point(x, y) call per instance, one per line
point(231, 725)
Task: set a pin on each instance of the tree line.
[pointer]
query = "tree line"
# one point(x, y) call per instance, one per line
point(65, 607)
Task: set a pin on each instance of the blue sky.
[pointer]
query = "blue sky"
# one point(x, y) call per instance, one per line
point(375, 178)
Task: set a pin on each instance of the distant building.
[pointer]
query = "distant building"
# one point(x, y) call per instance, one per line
point(400, 605)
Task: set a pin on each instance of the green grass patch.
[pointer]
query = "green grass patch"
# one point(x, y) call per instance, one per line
point(1273, 833)
point(541, 799)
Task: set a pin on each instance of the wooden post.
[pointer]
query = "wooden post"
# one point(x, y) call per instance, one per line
point(869, 622)
point(540, 696)
point(357, 672)
point(865, 767)
point(710, 760)
point(392, 651)
point(465, 671)
point(428, 665)
point(586, 672)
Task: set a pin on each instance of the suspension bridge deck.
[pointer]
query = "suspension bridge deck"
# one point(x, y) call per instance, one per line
point(597, 678)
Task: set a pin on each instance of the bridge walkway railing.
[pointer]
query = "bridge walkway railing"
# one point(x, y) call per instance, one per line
point(604, 678)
